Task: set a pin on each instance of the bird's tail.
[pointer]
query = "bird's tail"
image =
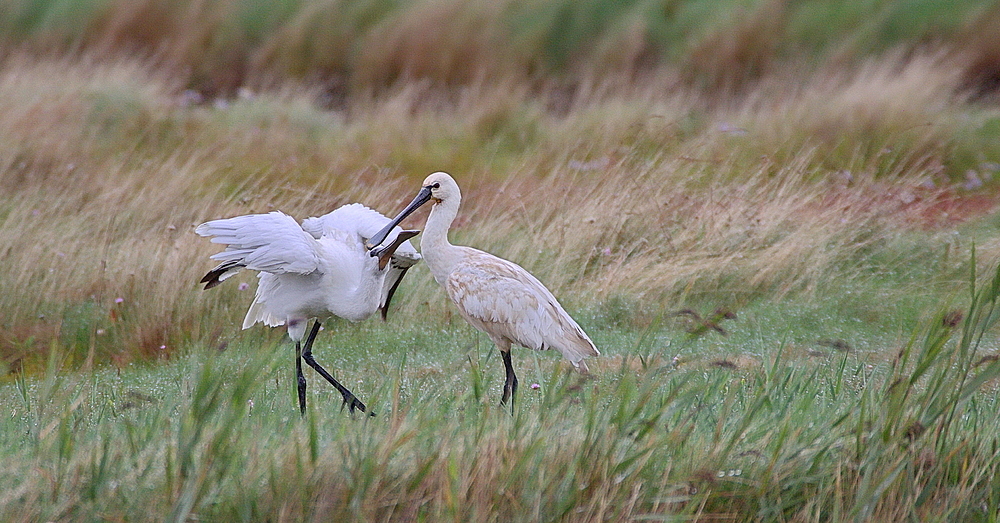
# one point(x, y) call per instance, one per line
point(576, 346)
point(259, 310)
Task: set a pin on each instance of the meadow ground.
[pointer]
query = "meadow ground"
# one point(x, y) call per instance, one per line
point(777, 223)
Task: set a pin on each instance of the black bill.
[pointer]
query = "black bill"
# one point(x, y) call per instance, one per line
point(422, 197)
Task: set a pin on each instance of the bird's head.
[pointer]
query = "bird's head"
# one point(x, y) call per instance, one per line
point(442, 187)
point(439, 186)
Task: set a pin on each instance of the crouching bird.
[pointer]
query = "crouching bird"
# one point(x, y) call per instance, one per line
point(496, 296)
point(318, 269)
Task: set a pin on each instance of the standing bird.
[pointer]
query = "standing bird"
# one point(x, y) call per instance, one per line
point(315, 270)
point(496, 296)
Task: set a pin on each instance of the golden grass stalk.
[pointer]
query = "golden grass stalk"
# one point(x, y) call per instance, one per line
point(635, 192)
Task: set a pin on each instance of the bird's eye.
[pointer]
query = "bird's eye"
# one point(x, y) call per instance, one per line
point(435, 185)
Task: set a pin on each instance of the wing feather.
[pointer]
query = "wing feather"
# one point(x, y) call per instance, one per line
point(364, 221)
point(506, 301)
point(272, 242)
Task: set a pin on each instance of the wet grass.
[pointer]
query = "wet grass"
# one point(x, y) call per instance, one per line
point(664, 429)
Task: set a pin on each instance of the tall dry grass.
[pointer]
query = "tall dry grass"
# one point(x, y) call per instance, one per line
point(627, 191)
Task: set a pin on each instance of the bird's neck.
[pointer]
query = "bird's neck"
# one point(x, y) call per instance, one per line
point(438, 252)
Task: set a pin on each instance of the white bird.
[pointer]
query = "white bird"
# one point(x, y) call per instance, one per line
point(315, 270)
point(496, 296)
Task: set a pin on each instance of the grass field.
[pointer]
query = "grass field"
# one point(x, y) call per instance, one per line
point(827, 173)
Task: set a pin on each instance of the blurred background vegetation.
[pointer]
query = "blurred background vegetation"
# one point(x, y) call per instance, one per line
point(355, 48)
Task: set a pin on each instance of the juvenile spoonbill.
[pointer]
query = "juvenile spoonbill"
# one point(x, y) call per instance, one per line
point(318, 269)
point(494, 295)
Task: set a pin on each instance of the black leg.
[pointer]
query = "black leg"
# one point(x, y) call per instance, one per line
point(510, 384)
point(311, 338)
point(350, 399)
point(301, 378)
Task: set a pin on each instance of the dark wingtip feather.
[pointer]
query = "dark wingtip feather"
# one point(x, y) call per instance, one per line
point(211, 283)
point(215, 276)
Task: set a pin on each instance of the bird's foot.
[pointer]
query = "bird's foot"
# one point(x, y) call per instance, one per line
point(352, 402)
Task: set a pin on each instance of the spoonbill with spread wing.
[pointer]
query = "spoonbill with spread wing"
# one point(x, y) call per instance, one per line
point(318, 269)
point(496, 296)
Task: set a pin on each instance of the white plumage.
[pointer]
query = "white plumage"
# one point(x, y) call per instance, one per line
point(494, 295)
point(318, 269)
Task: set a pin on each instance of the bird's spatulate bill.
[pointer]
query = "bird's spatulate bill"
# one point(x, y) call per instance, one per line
point(422, 197)
point(384, 255)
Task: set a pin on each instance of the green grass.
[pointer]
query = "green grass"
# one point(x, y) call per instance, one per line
point(779, 436)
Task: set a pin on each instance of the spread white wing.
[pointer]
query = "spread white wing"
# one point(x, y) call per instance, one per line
point(272, 242)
